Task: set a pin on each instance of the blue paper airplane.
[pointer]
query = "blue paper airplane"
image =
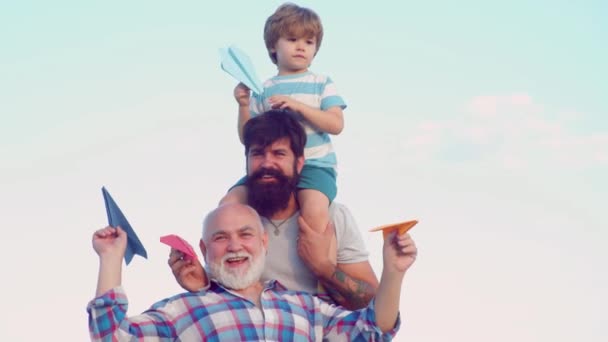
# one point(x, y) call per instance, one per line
point(237, 63)
point(117, 218)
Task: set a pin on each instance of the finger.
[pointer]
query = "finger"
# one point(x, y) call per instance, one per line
point(304, 227)
point(409, 250)
point(175, 256)
point(178, 266)
point(119, 232)
point(330, 230)
point(390, 237)
point(104, 232)
point(185, 271)
point(404, 241)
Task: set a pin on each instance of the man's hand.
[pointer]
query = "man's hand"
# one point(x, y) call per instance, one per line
point(285, 102)
point(399, 252)
point(314, 248)
point(110, 242)
point(189, 273)
point(242, 94)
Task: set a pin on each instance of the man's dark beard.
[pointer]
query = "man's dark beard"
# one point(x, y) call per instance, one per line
point(269, 198)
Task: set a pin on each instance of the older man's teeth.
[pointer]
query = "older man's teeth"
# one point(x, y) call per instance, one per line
point(240, 259)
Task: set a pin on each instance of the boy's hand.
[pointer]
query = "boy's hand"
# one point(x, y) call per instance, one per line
point(110, 241)
point(242, 94)
point(399, 252)
point(284, 102)
point(189, 273)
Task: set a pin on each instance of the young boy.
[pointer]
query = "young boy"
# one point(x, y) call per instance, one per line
point(293, 36)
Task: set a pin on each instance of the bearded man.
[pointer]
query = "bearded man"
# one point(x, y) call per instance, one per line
point(274, 149)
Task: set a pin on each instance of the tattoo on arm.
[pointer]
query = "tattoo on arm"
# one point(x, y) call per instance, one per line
point(347, 291)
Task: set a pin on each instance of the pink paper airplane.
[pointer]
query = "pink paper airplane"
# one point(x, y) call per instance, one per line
point(179, 244)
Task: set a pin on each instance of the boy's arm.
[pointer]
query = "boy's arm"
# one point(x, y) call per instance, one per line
point(399, 254)
point(110, 244)
point(242, 96)
point(244, 116)
point(330, 120)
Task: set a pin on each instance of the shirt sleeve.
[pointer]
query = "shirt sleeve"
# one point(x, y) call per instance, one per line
point(330, 96)
point(108, 320)
point(351, 247)
point(340, 324)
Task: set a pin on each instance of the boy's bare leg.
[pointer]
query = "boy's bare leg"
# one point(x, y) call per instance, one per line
point(314, 208)
point(237, 194)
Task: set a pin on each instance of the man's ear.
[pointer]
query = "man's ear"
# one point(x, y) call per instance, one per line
point(300, 164)
point(201, 244)
point(265, 239)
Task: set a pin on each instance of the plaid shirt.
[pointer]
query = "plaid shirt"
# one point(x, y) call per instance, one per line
point(218, 314)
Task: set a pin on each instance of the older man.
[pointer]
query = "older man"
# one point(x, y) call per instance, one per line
point(236, 306)
point(274, 148)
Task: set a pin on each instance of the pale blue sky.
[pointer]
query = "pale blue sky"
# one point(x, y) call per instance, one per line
point(485, 120)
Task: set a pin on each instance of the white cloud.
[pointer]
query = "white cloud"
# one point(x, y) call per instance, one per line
point(511, 131)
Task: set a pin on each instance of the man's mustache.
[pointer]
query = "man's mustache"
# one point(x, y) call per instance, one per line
point(268, 172)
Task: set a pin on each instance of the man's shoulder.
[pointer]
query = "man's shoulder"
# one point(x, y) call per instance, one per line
point(210, 294)
point(341, 217)
point(336, 208)
point(174, 299)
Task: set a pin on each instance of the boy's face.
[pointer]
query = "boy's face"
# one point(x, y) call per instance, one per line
point(294, 55)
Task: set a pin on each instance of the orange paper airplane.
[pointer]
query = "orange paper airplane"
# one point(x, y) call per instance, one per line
point(401, 227)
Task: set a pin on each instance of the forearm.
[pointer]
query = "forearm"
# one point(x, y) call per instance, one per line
point(108, 320)
point(347, 291)
point(109, 277)
point(386, 304)
point(244, 115)
point(330, 121)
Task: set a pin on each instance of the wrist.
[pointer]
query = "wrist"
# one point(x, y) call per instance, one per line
point(392, 275)
point(325, 270)
point(110, 260)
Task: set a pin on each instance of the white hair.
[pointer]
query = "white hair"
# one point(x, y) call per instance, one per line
point(230, 206)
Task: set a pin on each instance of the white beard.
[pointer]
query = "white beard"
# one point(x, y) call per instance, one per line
point(235, 280)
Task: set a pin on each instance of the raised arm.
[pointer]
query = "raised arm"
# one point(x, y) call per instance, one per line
point(108, 310)
point(379, 320)
point(110, 244)
point(399, 253)
point(351, 285)
point(242, 96)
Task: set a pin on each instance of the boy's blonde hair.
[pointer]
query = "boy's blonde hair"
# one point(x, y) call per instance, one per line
point(291, 20)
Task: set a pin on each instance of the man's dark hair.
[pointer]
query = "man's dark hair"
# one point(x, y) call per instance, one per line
point(266, 128)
